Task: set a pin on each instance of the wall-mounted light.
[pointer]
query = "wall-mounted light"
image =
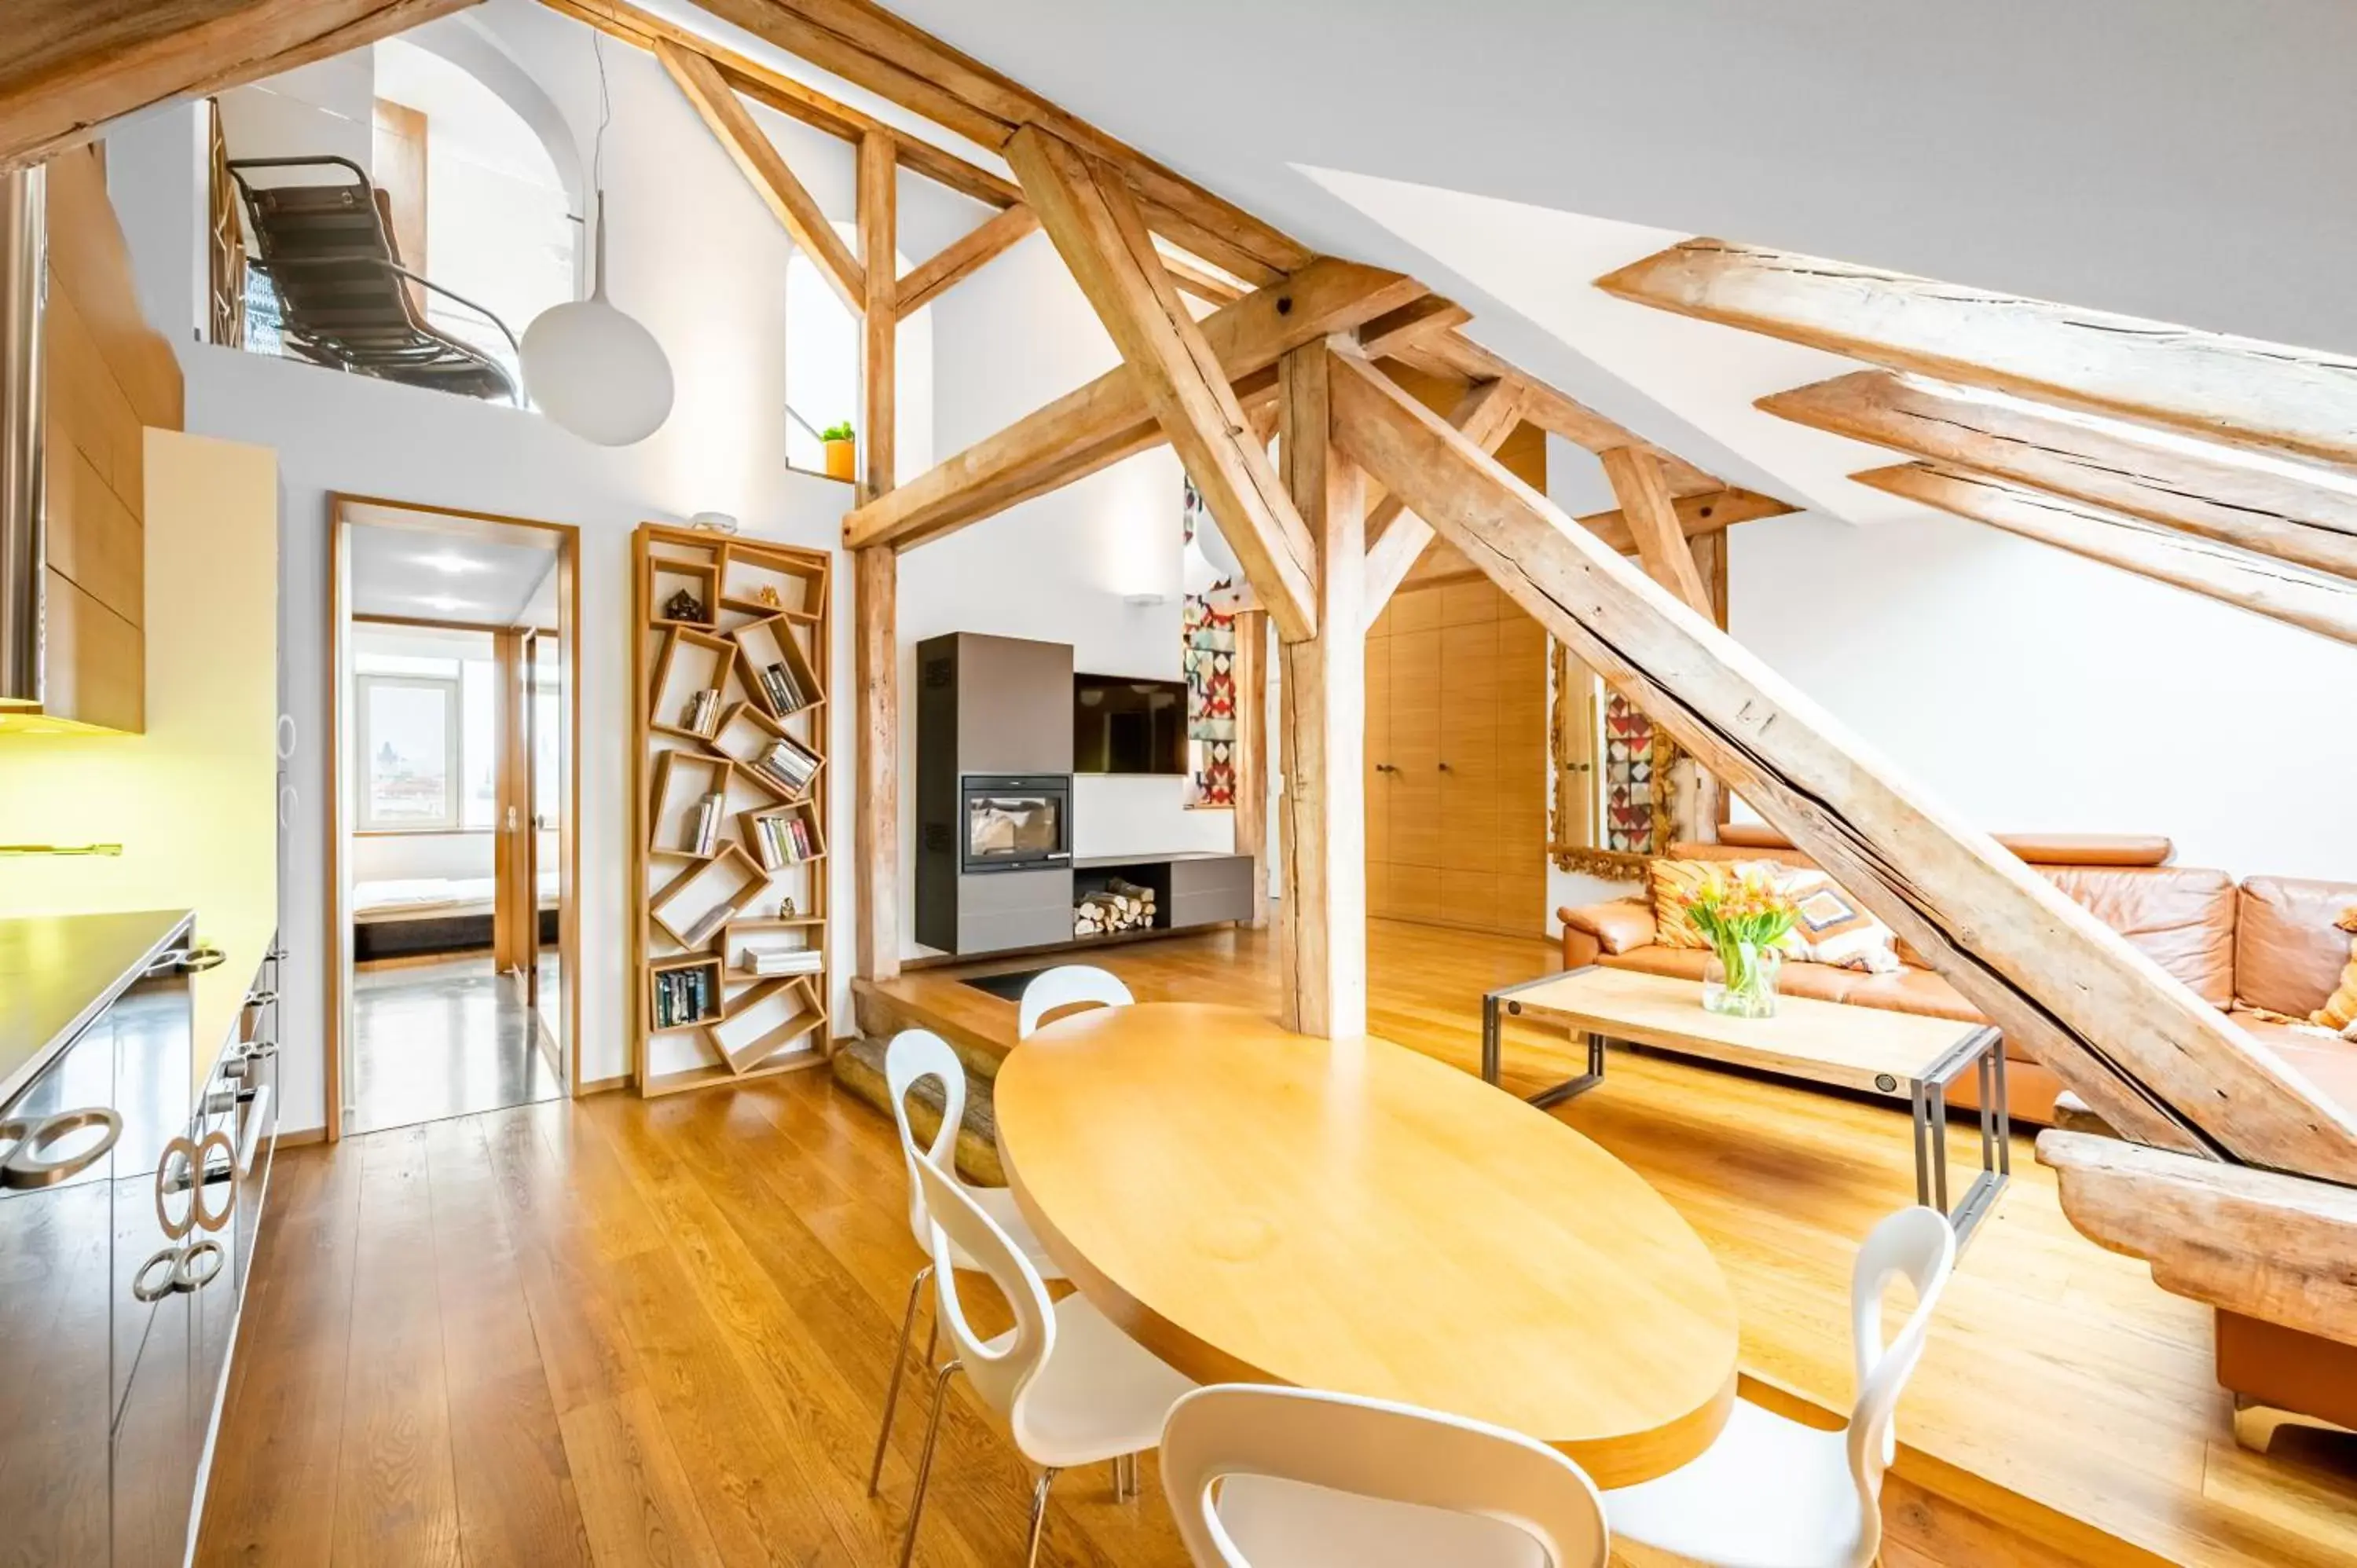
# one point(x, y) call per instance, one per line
point(713, 522)
point(1145, 601)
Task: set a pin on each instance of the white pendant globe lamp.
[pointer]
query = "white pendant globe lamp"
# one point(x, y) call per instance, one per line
point(590, 367)
point(1214, 546)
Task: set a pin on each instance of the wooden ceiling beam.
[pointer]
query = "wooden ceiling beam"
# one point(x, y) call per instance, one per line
point(795, 100)
point(1396, 537)
point(2324, 605)
point(1202, 282)
point(867, 45)
point(964, 256)
point(1644, 492)
point(724, 114)
point(2141, 1049)
point(2257, 1242)
point(1451, 354)
point(73, 67)
point(1412, 325)
point(1698, 515)
point(1103, 237)
point(1108, 419)
point(2265, 396)
point(2210, 493)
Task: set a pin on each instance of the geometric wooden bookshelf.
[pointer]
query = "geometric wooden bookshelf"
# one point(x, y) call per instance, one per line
point(755, 634)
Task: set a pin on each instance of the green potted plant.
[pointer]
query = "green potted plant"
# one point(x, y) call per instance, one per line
point(842, 447)
point(1744, 920)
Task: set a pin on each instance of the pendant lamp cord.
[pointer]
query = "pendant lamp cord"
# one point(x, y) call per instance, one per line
point(597, 160)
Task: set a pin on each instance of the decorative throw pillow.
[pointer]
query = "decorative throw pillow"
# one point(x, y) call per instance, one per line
point(2339, 1009)
point(1834, 928)
point(1675, 882)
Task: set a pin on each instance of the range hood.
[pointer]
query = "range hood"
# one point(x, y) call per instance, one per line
point(23, 273)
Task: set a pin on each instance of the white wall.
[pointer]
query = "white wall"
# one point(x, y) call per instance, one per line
point(2037, 693)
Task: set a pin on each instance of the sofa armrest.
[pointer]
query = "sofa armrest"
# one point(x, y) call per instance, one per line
point(1594, 929)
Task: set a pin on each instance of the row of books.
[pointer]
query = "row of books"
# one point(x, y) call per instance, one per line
point(782, 841)
point(703, 709)
point(686, 997)
point(704, 827)
point(784, 688)
point(789, 765)
point(781, 961)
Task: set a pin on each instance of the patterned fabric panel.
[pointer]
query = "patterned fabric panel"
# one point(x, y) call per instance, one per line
point(1834, 928)
point(1208, 650)
point(1628, 778)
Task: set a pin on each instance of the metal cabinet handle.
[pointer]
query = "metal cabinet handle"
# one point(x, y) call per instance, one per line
point(29, 1166)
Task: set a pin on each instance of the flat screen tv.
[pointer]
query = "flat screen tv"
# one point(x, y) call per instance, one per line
point(1122, 725)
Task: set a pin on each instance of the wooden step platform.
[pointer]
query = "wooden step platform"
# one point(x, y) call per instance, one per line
point(859, 1067)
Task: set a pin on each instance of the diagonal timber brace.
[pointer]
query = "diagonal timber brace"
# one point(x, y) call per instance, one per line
point(2147, 1054)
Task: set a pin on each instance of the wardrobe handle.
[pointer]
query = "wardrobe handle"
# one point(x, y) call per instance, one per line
point(1445, 767)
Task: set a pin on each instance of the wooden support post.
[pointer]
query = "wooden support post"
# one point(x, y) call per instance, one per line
point(1249, 671)
point(876, 579)
point(2147, 1054)
point(1322, 941)
point(875, 798)
point(878, 241)
point(1699, 802)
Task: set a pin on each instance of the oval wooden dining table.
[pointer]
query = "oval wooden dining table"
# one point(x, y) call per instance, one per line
point(1258, 1206)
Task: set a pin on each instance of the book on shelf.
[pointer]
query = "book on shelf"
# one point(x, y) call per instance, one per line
point(706, 924)
point(781, 961)
point(683, 996)
point(702, 709)
point(782, 841)
point(704, 829)
point(788, 764)
point(783, 687)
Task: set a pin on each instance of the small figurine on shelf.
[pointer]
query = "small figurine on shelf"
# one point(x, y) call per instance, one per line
point(786, 908)
point(767, 598)
point(684, 605)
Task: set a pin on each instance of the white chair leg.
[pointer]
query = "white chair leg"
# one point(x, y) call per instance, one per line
point(899, 1365)
point(1038, 1518)
point(925, 1461)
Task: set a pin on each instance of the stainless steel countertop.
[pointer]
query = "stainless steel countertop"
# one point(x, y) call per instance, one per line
point(59, 971)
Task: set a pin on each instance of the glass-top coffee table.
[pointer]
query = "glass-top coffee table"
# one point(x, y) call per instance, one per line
point(1892, 1055)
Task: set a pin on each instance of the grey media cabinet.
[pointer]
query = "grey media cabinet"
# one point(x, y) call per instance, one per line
point(1004, 705)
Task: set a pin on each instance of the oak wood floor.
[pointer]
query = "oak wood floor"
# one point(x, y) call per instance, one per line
point(616, 1331)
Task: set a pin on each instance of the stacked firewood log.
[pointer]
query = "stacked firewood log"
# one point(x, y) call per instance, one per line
point(1120, 906)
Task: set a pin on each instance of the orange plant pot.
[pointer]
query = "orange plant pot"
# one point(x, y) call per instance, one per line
point(842, 459)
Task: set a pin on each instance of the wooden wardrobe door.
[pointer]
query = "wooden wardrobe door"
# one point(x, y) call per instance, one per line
point(1467, 764)
point(1413, 829)
point(1526, 773)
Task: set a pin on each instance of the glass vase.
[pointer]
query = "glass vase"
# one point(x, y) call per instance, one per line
point(1738, 980)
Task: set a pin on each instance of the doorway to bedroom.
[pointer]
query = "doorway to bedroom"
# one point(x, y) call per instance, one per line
point(453, 855)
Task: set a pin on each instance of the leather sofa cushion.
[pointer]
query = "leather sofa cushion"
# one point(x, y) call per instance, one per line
point(2287, 954)
point(2036, 849)
point(2325, 1062)
point(2182, 918)
point(1617, 926)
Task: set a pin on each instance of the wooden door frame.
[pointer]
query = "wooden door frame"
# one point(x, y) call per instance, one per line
point(336, 949)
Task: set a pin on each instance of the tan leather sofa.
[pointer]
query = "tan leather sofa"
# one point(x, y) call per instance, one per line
point(2266, 944)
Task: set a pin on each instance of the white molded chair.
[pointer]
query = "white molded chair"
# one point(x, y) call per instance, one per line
point(914, 1056)
point(1307, 1479)
point(1064, 1385)
point(1770, 1493)
point(1066, 985)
